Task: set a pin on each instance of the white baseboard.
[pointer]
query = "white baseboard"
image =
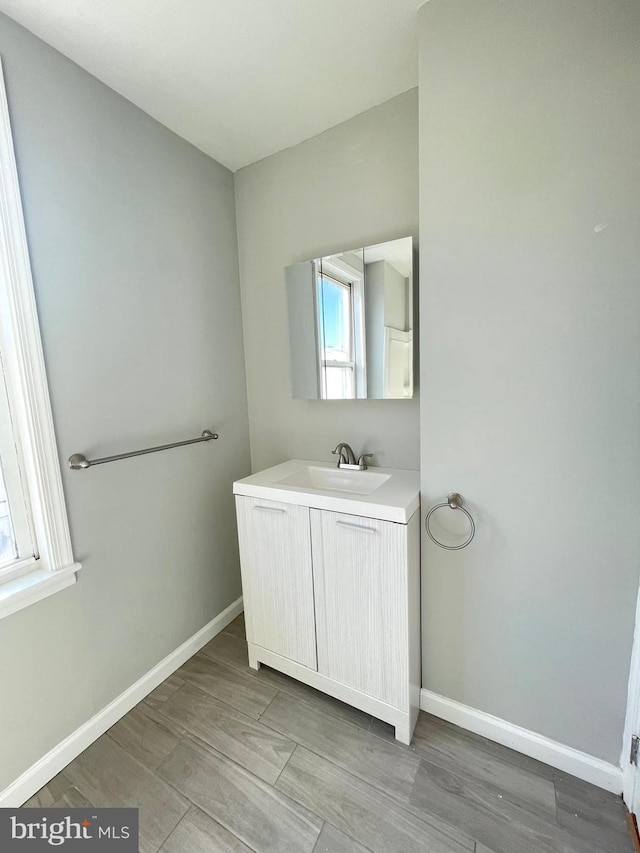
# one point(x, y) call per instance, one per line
point(580, 764)
point(26, 785)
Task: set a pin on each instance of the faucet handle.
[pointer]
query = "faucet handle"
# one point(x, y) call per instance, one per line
point(362, 460)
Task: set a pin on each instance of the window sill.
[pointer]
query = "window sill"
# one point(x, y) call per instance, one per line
point(34, 586)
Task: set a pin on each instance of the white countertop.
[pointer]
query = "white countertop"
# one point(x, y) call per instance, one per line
point(396, 500)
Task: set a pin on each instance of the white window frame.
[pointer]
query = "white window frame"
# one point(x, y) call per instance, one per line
point(346, 275)
point(52, 568)
point(17, 499)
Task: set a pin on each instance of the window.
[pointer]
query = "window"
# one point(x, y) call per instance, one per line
point(16, 534)
point(335, 317)
point(35, 547)
point(340, 326)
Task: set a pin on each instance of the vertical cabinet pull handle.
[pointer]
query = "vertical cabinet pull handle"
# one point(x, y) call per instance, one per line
point(352, 526)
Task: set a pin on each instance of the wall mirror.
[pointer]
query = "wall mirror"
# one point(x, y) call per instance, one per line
point(351, 324)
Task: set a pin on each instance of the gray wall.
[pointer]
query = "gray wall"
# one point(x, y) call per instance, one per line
point(355, 185)
point(133, 245)
point(374, 301)
point(530, 353)
point(385, 299)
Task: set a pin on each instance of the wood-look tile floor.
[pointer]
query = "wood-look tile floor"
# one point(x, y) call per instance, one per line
point(223, 758)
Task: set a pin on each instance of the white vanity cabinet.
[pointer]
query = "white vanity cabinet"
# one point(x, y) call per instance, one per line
point(361, 582)
point(277, 581)
point(332, 598)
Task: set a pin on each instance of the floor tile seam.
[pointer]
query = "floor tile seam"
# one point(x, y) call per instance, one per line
point(488, 754)
point(532, 831)
point(290, 737)
point(254, 674)
point(310, 704)
point(176, 823)
point(69, 784)
point(508, 795)
point(160, 849)
point(155, 708)
point(505, 819)
point(364, 846)
point(559, 777)
point(83, 794)
point(278, 692)
point(350, 837)
point(245, 668)
point(202, 739)
point(209, 696)
point(135, 758)
point(187, 679)
point(57, 799)
point(72, 788)
point(281, 734)
point(241, 667)
point(517, 764)
point(614, 834)
point(130, 755)
point(378, 790)
point(333, 716)
point(215, 820)
point(192, 803)
point(208, 814)
point(154, 772)
point(46, 787)
point(188, 734)
point(328, 759)
point(245, 770)
point(406, 807)
point(453, 729)
point(403, 747)
point(324, 823)
point(231, 634)
point(275, 782)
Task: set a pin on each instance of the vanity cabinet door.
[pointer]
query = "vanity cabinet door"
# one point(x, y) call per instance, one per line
point(360, 580)
point(277, 580)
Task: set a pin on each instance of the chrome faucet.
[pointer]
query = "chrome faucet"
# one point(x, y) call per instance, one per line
point(347, 459)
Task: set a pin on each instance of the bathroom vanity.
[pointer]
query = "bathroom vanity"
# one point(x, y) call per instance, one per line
point(331, 582)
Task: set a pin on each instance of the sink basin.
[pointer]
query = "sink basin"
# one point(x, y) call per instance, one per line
point(389, 494)
point(335, 479)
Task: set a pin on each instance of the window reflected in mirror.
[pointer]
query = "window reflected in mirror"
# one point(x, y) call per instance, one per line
point(351, 324)
point(335, 319)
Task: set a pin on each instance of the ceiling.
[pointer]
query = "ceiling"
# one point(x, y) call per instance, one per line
point(398, 253)
point(240, 79)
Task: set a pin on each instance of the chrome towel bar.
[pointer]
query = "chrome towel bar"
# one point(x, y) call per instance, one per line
point(454, 501)
point(79, 460)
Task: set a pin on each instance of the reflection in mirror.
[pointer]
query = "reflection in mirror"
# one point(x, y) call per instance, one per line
point(341, 327)
point(351, 324)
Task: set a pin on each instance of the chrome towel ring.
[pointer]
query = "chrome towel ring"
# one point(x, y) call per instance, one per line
point(454, 501)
